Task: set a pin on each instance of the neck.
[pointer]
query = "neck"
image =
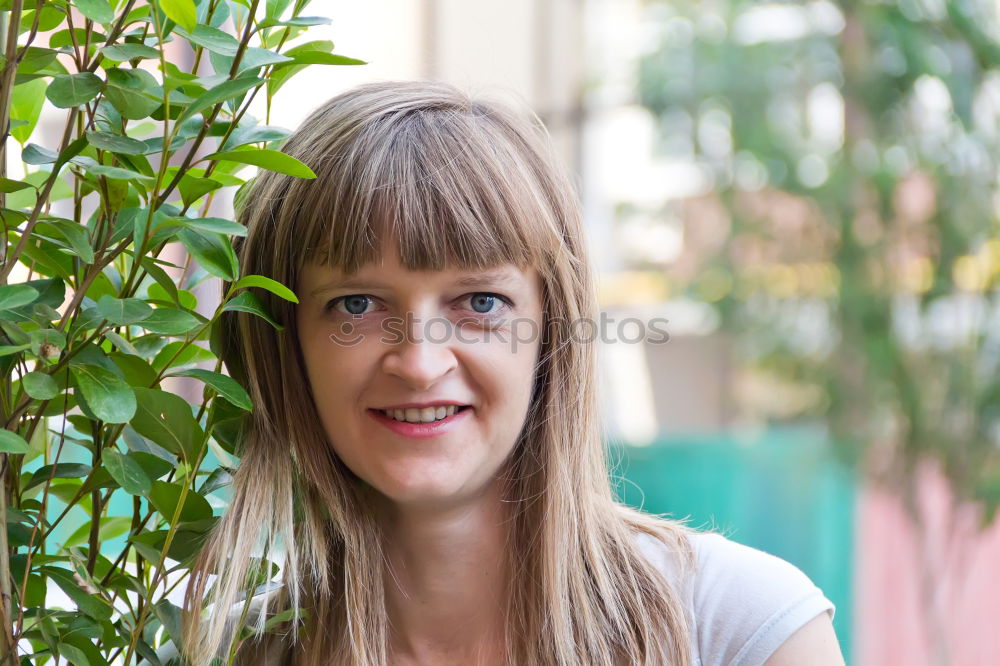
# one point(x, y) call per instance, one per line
point(447, 581)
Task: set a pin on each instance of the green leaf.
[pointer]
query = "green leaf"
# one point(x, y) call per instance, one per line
point(254, 134)
point(16, 334)
point(179, 354)
point(226, 386)
point(215, 225)
point(74, 655)
point(26, 198)
point(126, 471)
point(181, 12)
point(136, 369)
point(7, 186)
point(109, 396)
point(186, 299)
point(12, 218)
point(213, 39)
point(255, 57)
point(63, 39)
point(98, 11)
point(247, 301)
point(170, 321)
point(275, 8)
point(220, 477)
point(48, 261)
point(123, 311)
point(321, 58)
point(113, 172)
point(185, 545)
point(161, 277)
point(212, 251)
point(165, 498)
point(170, 617)
point(26, 105)
point(57, 471)
point(121, 343)
point(167, 420)
point(128, 90)
point(149, 544)
point(152, 466)
point(271, 160)
point(74, 234)
point(15, 295)
point(302, 21)
point(7, 350)
point(71, 90)
point(220, 93)
point(128, 51)
point(139, 444)
point(111, 527)
point(193, 188)
point(281, 75)
point(40, 385)
point(116, 143)
point(267, 283)
point(35, 154)
point(11, 442)
point(94, 606)
point(40, 60)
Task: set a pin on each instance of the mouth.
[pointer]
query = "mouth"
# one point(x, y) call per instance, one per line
point(453, 415)
point(422, 416)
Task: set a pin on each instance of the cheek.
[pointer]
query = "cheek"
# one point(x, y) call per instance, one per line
point(507, 373)
point(332, 370)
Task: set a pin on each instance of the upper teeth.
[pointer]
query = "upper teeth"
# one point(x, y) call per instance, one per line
point(425, 415)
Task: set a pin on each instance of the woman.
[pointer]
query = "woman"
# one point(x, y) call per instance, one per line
point(424, 452)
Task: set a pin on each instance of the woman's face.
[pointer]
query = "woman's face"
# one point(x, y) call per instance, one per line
point(386, 344)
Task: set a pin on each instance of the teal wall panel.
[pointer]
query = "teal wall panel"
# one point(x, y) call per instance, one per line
point(779, 491)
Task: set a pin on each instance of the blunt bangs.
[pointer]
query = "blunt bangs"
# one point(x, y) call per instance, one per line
point(453, 187)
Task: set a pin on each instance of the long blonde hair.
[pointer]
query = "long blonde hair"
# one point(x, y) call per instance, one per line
point(460, 182)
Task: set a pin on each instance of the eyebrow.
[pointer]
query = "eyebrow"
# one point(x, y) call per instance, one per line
point(501, 277)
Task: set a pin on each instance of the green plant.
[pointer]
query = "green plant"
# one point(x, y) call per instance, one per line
point(93, 436)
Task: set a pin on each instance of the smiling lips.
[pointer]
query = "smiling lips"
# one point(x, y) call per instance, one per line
point(421, 415)
point(423, 422)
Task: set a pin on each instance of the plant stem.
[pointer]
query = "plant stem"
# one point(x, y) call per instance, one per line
point(9, 643)
point(8, 46)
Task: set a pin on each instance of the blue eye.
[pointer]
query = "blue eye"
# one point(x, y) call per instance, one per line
point(483, 302)
point(354, 304)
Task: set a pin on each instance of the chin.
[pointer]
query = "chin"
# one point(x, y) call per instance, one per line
point(426, 493)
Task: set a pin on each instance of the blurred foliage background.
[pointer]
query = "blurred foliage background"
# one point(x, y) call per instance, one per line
point(848, 230)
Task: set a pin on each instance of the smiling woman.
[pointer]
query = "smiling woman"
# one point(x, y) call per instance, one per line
point(424, 459)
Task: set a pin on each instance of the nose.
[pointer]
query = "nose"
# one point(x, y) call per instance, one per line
point(419, 361)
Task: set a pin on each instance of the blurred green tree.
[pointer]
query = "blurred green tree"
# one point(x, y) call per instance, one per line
point(851, 155)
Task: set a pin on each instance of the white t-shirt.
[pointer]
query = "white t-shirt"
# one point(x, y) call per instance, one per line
point(742, 603)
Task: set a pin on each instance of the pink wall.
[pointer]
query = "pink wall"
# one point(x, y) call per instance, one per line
point(891, 626)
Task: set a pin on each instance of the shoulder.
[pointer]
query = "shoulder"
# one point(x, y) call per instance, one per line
point(742, 603)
